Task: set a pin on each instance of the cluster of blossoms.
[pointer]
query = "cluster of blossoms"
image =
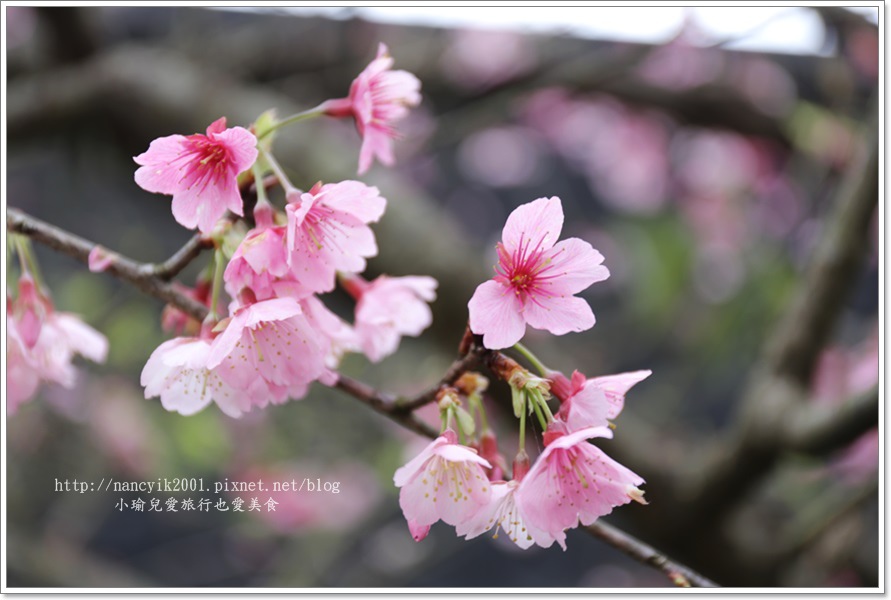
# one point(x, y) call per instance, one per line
point(571, 482)
point(41, 343)
point(279, 336)
point(276, 336)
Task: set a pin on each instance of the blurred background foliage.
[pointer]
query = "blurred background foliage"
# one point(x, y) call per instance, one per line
point(705, 176)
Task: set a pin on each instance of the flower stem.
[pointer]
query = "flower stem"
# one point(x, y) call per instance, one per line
point(531, 358)
point(28, 262)
point(477, 402)
point(541, 418)
point(258, 181)
point(547, 410)
point(279, 172)
point(295, 118)
point(522, 444)
point(217, 281)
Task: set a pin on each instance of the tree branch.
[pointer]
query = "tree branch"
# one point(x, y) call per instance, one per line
point(172, 267)
point(778, 386)
point(680, 575)
point(470, 361)
point(138, 274)
point(821, 430)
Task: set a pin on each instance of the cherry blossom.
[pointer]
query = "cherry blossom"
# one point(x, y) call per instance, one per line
point(261, 263)
point(42, 343)
point(200, 172)
point(177, 372)
point(574, 482)
point(378, 98)
point(535, 279)
point(328, 231)
point(445, 481)
point(268, 350)
point(22, 378)
point(593, 402)
point(503, 512)
point(389, 308)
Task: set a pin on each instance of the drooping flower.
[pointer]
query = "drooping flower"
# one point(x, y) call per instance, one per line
point(574, 482)
point(445, 481)
point(42, 343)
point(535, 279)
point(22, 378)
point(593, 402)
point(389, 308)
point(200, 172)
point(504, 512)
point(268, 350)
point(177, 372)
point(378, 98)
point(328, 232)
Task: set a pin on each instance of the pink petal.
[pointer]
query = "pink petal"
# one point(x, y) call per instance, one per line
point(616, 386)
point(100, 258)
point(242, 147)
point(538, 223)
point(574, 265)
point(353, 197)
point(405, 473)
point(82, 338)
point(156, 174)
point(559, 315)
point(376, 143)
point(418, 532)
point(495, 314)
point(588, 408)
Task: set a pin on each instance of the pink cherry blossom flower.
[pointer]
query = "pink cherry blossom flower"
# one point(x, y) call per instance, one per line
point(177, 372)
point(328, 232)
point(389, 308)
point(261, 263)
point(200, 172)
point(445, 481)
point(42, 343)
point(268, 350)
point(593, 402)
point(573, 481)
point(22, 378)
point(504, 512)
point(535, 279)
point(378, 98)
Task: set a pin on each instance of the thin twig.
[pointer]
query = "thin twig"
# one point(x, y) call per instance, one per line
point(181, 259)
point(468, 362)
point(680, 575)
point(120, 266)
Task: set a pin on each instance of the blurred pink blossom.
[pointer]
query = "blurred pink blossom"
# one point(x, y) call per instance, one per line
point(299, 509)
point(389, 308)
point(482, 58)
point(378, 98)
